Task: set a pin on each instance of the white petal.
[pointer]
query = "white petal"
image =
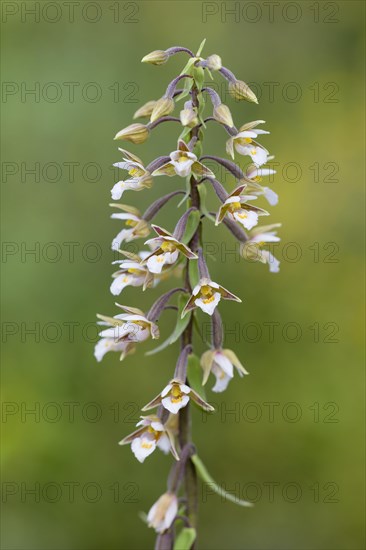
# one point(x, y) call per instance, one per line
point(176, 406)
point(105, 345)
point(119, 283)
point(123, 235)
point(271, 196)
point(164, 443)
point(247, 218)
point(274, 264)
point(166, 390)
point(171, 513)
point(117, 190)
point(143, 446)
point(156, 263)
point(208, 307)
point(222, 379)
point(224, 364)
point(183, 168)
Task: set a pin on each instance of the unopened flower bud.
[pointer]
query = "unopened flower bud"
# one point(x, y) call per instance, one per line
point(164, 106)
point(145, 110)
point(213, 62)
point(157, 57)
point(239, 90)
point(222, 114)
point(136, 133)
point(188, 118)
point(163, 512)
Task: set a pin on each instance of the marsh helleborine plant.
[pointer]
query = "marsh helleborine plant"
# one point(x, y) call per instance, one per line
point(179, 252)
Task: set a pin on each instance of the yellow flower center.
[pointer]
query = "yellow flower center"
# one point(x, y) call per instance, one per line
point(135, 172)
point(142, 324)
point(253, 151)
point(131, 223)
point(207, 294)
point(248, 140)
point(167, 246)
point(146, 445)
point(134, 271)
point(176, 394)
point(234, 206)
point(243, 214)
point(183, 157)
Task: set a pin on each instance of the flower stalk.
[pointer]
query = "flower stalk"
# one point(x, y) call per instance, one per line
point(180, 252)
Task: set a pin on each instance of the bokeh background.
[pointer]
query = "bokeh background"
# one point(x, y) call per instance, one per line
point(294, 443)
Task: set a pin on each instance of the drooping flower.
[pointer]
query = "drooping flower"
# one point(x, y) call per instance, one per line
point(253, 248)
point(183, 163)
point(151, 434)
point(206, 295)
point(244, 143)
point(175, 396)
point(136, 227)
point(123, 330)
point(140, 177)
point(166, 250)
point(221, 363)
point(109, 344)
point(256, 174)
point(130, 273)
point(240, 210)
point(163, 512)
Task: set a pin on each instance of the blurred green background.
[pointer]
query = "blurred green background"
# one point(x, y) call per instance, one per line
point(295, 442)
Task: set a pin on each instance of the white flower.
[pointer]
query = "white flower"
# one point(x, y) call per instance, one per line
point(206, 295)
point(163, 512)
point(136, 227)
point(123, 331)
point(183, 163)
point(252, 249)
point(244, 143)
point(151, 434)
point(140, 177)
point(256, 174)
point(108, 344)
point(130, 273)
point(166, 250)
point(221, 363)
point(240, 210)
point(175, 396)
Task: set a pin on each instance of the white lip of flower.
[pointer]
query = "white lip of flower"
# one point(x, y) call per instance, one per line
point(206, 295)
point(253, 247)
point(244, 143)
point(175, 396)
point(183, 163)
point(240, 210)
point(140, 179)
point(162, 514)
point(221, 363)
point(109, 344)
point(129, 274)
point(256, 174)
point(138, 228)
point(151, 434)
point(165, 250)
